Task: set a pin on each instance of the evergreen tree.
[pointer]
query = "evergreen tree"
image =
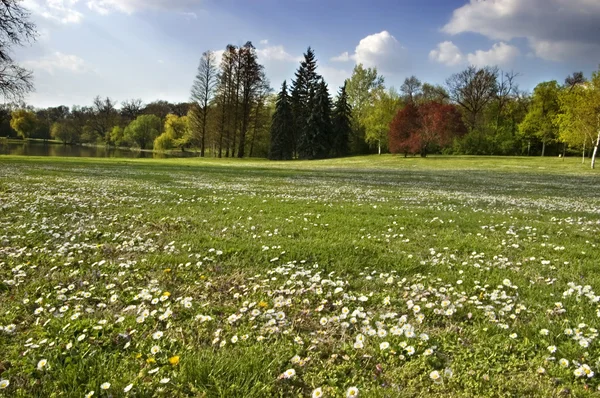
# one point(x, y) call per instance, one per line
point(305, 83)
point(342, 124)
point(281, 127)
point(317, 138)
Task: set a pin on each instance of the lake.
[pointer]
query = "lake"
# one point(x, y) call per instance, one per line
point(33, 148)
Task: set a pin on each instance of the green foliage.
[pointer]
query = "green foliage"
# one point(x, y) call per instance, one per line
point(177, 133)
point(540, 120)
point(66, 131)
point(24, 122)
point(377, 122)
point(117, 136)
point(143, 130)
point(317, 137)
point(342, 124)
point(304, 86)
point(282, 145)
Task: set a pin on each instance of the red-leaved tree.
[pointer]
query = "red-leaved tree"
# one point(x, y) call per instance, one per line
point(425, 128)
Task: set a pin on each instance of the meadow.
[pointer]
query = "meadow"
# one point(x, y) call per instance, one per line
point(368, 276)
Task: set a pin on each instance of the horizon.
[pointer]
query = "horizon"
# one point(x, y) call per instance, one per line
point(150, 50)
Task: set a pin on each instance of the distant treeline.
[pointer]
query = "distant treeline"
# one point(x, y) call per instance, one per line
point(233, 112)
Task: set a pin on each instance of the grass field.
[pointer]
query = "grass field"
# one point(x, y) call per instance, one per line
point(372, 276)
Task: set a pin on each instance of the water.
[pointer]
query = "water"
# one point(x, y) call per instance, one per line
point(54, 149)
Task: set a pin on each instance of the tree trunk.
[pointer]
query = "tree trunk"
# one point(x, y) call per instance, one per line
point(596, 150)
point(528, 147)
point(564, 150)
point(583, 156)
point(379, 147)
point(543, 148)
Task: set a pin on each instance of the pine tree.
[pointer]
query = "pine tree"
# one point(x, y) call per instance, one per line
point(305, 83)
point(281, 127)
point(317, 138)
point(342, 124)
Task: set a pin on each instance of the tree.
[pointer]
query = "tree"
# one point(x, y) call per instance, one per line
point(574, 80)
point(143, 130)
point(425, 128)
point(411, 88)
point(176, 134)
point(131, 109)
point(203, 91)
point(381, 114)
point(303, 88)
point(251, 75)
point(361, 89)
point(433, 93)
point(104, 117)
point(473, 89)
point(317, 138)
point(65, 131)
point(540, 120)
point(24, 122)
point(281, 127)
point(15, 30)
point(224, 100)
point(403, 129)
point(117, 136)
point(342, 124)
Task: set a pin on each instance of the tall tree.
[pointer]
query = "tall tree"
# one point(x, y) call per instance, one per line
point(540, 120)
point(405, 124)
point(317, 139)
point(223, 98)
point(131, 109)
point(473, 89)
point(303, 87)
point(281, 127)
point(15, 30)
point(382, 112)
point(203, 91)
point(342, 124)
point(362, 87)
point(104, 117)
point(251, 78)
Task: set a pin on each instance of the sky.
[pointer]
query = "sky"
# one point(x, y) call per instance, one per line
point(150, 49)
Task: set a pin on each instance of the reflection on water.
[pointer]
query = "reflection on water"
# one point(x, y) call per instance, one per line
point(53, 149)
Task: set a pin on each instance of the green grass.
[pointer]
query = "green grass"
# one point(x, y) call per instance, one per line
point(250, 268)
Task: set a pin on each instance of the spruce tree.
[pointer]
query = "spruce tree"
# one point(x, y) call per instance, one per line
point(281, 127)
point(305, 83)
point(317, 138)
point(342, 124)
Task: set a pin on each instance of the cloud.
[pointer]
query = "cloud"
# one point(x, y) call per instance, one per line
point(343, 57)
point(447, 53)
point(380, 50)
point(276, 53)
point(549, 26)
point(131, 6)
point(500, 54)
point(58, 62)
point(61, 11)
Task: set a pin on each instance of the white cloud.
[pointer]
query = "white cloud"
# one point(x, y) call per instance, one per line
point(334, 77)
point(61, 11)
point(58, 62)
point(343, 57)
point(131, 6)
point(276, 53)
point(264, 42)
point(447, 53)
point(380, 50)
point(555, 29)
point(500, 54)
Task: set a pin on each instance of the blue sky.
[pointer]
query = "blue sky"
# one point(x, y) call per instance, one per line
point(149, 49)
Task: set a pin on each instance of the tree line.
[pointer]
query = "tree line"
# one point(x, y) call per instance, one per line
point(233, 113)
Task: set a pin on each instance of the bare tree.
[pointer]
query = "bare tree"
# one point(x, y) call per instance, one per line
point(411, 88)
point(507, 90)
point(104, 117)
point(251, 79)
point(473, 89)
point(203, 90)
point(15, 30)
point(575, 79)
point(131, 109)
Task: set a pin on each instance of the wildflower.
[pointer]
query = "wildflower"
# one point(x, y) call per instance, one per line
point(384, 346)
point(435, 376)
point(174, 360)
point(317, 393)
point(288, 374)
point(105, 386)
point(544, 332)
point(448, 373)
point(155, 350)
point(410, 350)
point(323, 321)
point(564, 363)
point(90, 394)
point(352, 392)
point(541, 370)
point(157, 335)
point(6, 383)
point(152, 371)
point(42, 364)
point(165, 380)
point(128, 388)
point(513, 336)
